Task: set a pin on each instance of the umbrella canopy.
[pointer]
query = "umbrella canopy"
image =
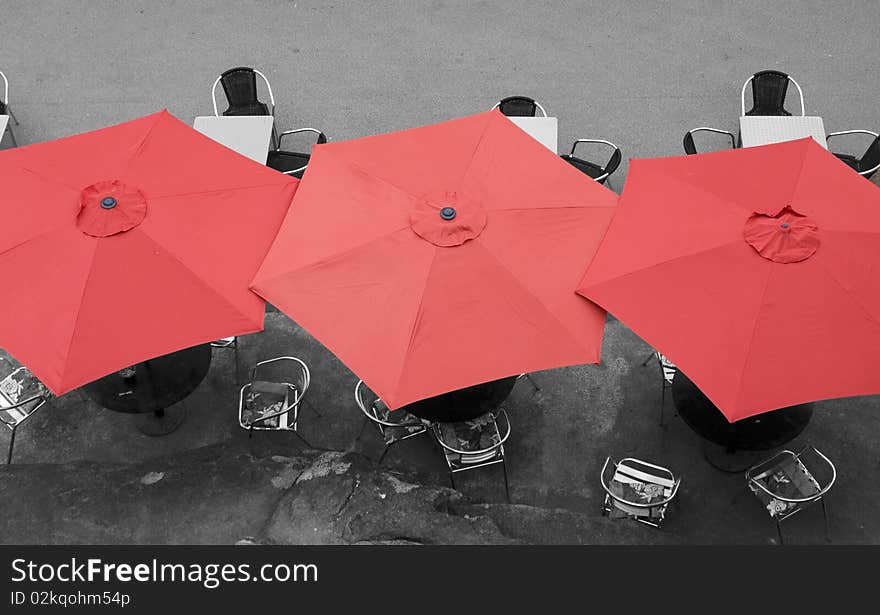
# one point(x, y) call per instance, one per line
point(754, 270)
point(130, 242)
point(436, 258)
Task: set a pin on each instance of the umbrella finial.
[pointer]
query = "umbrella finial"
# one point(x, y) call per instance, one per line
point(108, 202)
point(447, 213)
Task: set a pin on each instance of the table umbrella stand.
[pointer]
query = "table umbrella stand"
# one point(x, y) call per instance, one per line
point(161, 421)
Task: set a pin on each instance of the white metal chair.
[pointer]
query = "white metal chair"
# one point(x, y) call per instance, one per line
point(5, 109)
point(598, 172)
point(477, 443)
point(395, 426)
point(869, 162)
point(226, 343)
point(272, 402)
point(638, 490)
point(21, 395)
point(768, 93)
point(519, 106)
point(788, 482)
point(690, 147)
point(667, 371)
point(240, 86)
point(290, 162)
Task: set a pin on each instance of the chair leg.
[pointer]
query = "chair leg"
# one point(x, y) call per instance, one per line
point(534, 384)
point(779, 533)
point(11, 114)
point(12, 135)
point(825, 514)
point(382, 456)
point(237, 368)
point(304, 441)
point(11, 444)
point(311, 407)
point(452, 479)
point(506, 485)
point(662, 400)
point(648, 358)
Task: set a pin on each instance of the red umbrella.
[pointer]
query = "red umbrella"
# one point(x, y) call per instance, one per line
point(436, 258)
point(130, 242)
point(754, 270)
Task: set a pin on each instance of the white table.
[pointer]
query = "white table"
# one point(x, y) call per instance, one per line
point(543, 129)
point(764, 129)
point(248, 135)
point(4, 120)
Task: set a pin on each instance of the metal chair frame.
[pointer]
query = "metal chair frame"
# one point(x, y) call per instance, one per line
point(287, 408)
point(526, 98)
point(297, 131)
point(230, 342)
point(372, 414)
point(868, 172)
point(607, 168)
point(8, 110)
point(271, 98)
point(7, 406)
point(790, 78)
point(660, 506)
point(667, 371)
point(688, 141)
point(760, 470)
point(473, 459)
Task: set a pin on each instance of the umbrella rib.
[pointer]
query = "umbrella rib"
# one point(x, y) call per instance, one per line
point(140, 145)
point(85, 287)
point(846, 291)
point(416, 320)
point(742, 372)
point(531, 294)
point(217, 190)
point(473, 157)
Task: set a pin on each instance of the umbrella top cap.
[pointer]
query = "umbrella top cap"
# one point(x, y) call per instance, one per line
point(784, 237)
point(110, 207)
point(447, 219)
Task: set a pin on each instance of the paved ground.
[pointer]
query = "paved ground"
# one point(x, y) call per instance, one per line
point(639, 74)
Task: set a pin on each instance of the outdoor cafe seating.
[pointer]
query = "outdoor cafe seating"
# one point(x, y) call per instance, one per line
point(637, 490)
point(599, 172)
point(667, 373)
point(240, 87)
point(769, 89)
point(866, 164)
point(21, 395)
point(789, 482)
point(292, 162)
point(271, 401)
point(690, 146)
point(394, 427)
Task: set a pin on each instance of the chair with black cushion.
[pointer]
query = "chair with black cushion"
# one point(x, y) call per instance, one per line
point(290, 162)
point(638, 490)
point(869, 162)
point(395, 426)
point(789, 482)
point(477, 443)
point(668, 370)
point(240, 86)
point(21, 395)
point(519, 106)
point(272, 399)
point(5, 109)
point(769, 88)
point(688, 141)
point(598, 172)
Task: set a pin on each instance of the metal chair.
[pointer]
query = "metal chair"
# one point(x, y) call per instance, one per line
point(788, 482)
point(869, 162)
point(240, 87)
point(477, 443)
point(688, 141)
point(638, 490)
point(598, 172)
point(5, 109)
point(667, 371)
point(519, 106)
point(273, 404)
point(292, 163)
point(394, 426)
point(230, 342)
point(768, 93)
point(21, 395)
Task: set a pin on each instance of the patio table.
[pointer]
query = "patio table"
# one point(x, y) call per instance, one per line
point(463, 404)
point(542, 129)
point(736, 443)
point(152, 386)
point(4, 121)
point(765, 129)
point(249, 135)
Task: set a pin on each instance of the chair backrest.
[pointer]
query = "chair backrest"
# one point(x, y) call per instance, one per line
point(642, 476)
point(870, 160)
point(769, 88)
point(603, 171)
point(283, 370)
point(474, 456)
point(809, 462)
point(21, 393)
point(369, 404)
point(688, 141)
point(519, 106)
point(240, 86)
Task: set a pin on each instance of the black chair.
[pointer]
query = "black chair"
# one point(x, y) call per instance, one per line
point(240, 87)
point(597, 172)
point(519, 106)
point(5, 109)
point(869, 161)
point(769, 88)
point(288, 162)
point(688, 141)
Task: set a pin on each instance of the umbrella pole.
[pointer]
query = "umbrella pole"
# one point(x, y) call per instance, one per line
point(161, 421)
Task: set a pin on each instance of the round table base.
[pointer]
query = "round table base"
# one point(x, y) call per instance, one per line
point(161, 424)
point(731, 461)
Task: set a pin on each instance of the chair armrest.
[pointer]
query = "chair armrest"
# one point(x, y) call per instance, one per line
point(300, 130)
point(358, 398)
point(644, 505)
point(40, 399)
point(439, 437)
